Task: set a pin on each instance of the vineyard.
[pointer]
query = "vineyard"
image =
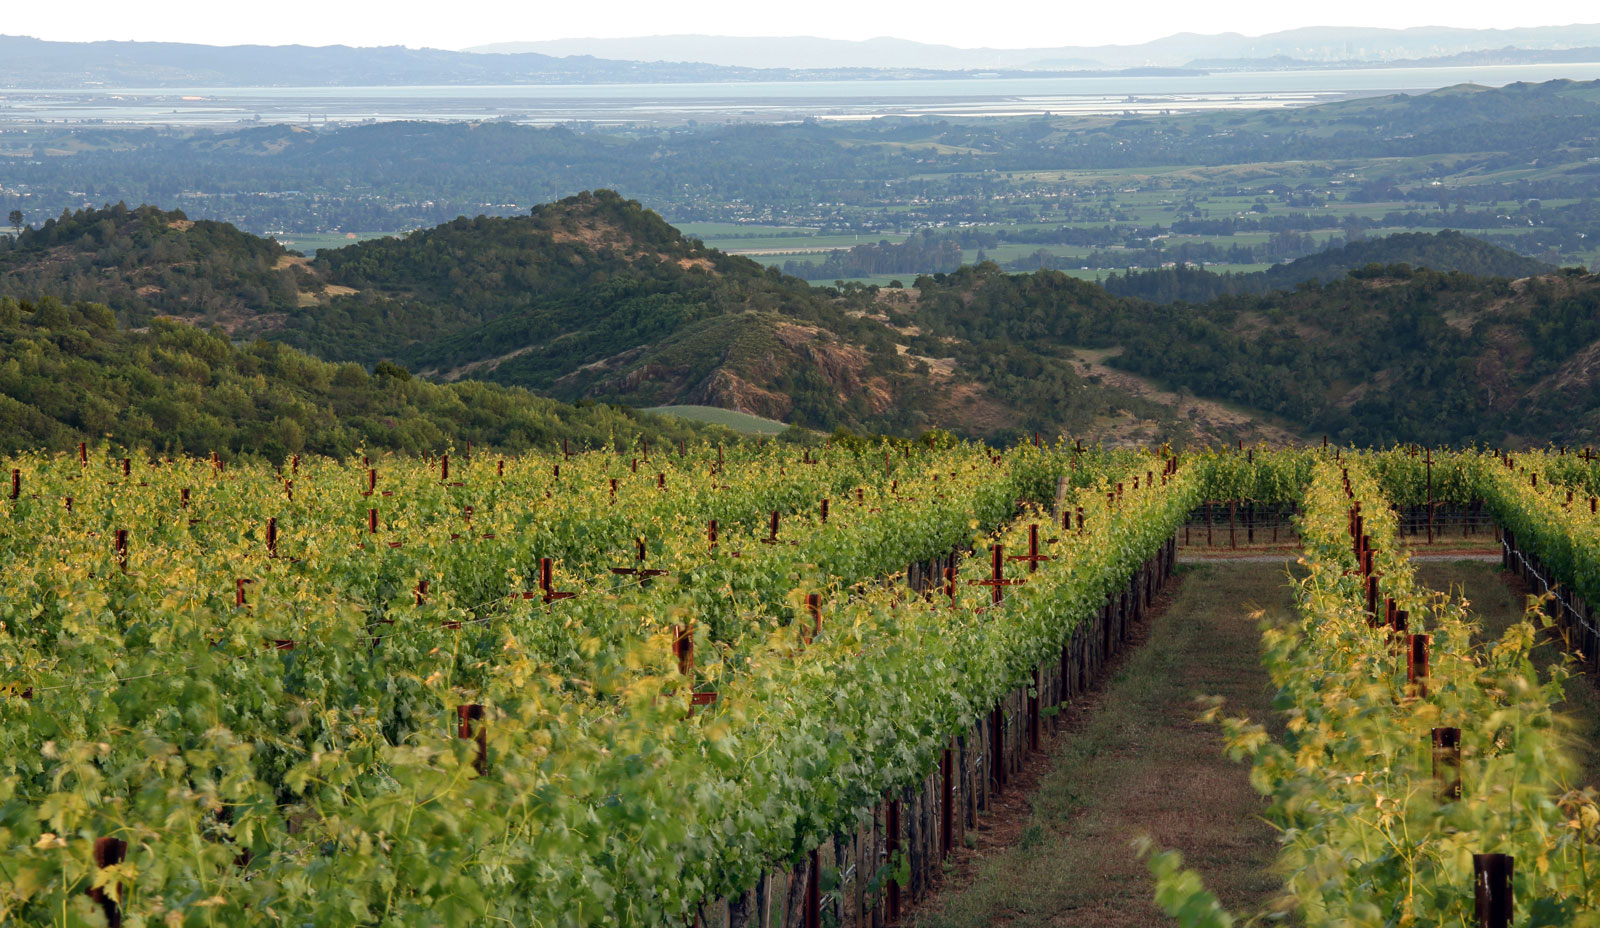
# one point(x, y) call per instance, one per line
point(744, 685)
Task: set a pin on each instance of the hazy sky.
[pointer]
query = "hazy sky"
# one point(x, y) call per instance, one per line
point(1010, 24)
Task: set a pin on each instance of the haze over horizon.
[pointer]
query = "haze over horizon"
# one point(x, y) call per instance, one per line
point(474, 23)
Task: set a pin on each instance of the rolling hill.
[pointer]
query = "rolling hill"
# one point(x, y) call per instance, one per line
point(1387, 354)
point(590, 298)
point(595, 299)
point(70, 373)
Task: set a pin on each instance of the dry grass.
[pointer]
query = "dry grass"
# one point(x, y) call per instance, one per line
point(1141, 764)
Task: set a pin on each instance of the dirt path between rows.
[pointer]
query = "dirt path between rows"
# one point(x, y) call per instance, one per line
point(1136, 762)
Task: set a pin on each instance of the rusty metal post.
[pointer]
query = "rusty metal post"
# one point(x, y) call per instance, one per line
point(108, 852)
point(997, 572)
point(547, 572)
point(1447, 763)
point(465, 716)
point(1417, 666)
point(891, 829)
point(1429, 463)
point(814, 610)
point(811, 914)
point(683, 648)
point(1492, 900)
point(946, 802)
point(997, 728)
point(1033, 712)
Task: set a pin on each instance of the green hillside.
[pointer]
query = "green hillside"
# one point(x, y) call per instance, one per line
point(591, 298)
point(1383, 355)
point(594, 299)
point(69, 373)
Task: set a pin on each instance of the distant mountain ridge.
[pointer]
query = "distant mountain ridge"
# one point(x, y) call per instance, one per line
point(33, 63)
point(1315, 44)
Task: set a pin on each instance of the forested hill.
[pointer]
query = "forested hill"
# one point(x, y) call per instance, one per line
point(70, 373)
point(144, 262)
point(1391, 354)
point(594, 298)
point(589, 298)
point(1443, 251)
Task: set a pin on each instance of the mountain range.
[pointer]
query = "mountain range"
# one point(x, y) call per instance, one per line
point(31, 63)
point(595, 299)
point(1316, 44)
